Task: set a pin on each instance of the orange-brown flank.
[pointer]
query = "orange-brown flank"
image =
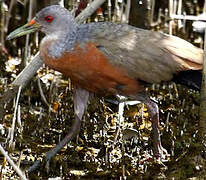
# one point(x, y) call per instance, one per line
point(88, 68)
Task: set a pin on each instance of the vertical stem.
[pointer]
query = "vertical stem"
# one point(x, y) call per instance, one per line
point(61, 3)
point(109, 10)
point(179, 12)
point(14, 119)
point(152, 12)
point(3, 17)
point(170, 13)
point(128, 6)
point(202, 123)
point(11, 5)
point(204, 8)
point(122, 12)
point(27, 36)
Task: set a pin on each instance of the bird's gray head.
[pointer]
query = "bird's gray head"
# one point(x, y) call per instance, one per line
point(52, 19)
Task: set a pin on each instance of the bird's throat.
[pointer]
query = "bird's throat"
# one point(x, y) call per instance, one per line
point(57, 43)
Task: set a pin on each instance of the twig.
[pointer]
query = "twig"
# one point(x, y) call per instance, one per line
point(20, 158)
point(19, 117)
point(3, 19)
point(121, 106)
point(204, 8)
point(18, 171)
point(28, 35)
point(170, 15)
point(188, 17)
point(14, 119)
point(61, 3)
point(122, 15)
point(22, 80)
point(122, 102)
point(109, 10)
point(42, 93)
point(179, 11)
point(12, 3)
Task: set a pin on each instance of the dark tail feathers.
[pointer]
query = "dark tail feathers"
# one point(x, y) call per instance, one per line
point(190, 78)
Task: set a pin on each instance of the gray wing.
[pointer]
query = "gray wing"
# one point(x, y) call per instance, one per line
point(149, 56)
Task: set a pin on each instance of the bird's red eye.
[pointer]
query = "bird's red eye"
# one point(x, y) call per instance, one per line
point(49, 18)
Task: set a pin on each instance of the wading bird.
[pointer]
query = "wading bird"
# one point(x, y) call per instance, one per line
point(108, 58)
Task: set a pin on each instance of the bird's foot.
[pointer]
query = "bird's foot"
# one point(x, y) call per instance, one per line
point(35, 166)
point(161, 154)
point(42, 163)
point(157, 159)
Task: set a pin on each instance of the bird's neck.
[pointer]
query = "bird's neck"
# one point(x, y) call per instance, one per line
point(60, 42)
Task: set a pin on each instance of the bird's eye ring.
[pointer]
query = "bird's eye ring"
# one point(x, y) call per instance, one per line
point(49, 18)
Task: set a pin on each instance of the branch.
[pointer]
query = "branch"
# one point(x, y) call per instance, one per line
point(202, 122)
point(188, 17)
point(89, 10)
point(18, 171)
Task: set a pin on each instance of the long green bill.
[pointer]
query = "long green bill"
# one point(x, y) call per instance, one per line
point(28, 28)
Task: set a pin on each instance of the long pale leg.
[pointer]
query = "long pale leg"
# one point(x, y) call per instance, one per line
point(153, 110)
point(81, 98)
